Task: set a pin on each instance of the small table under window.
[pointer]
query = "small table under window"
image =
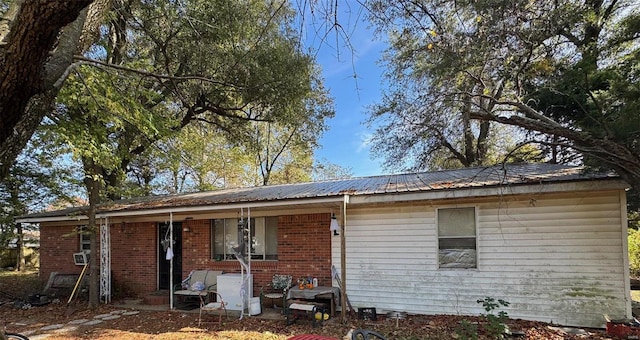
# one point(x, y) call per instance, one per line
point(317, 293)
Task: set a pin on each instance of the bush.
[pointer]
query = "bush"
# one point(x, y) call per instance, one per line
point(494, 324)
point(634, 252)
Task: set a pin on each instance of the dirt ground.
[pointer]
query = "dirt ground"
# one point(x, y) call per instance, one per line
point(61, 321)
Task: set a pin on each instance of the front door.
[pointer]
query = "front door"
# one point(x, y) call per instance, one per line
point(163, 263)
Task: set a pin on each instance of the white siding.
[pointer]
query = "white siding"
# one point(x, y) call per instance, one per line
point(556, 258)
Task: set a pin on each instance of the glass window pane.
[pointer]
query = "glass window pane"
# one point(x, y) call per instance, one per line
point(230, 236)
point(264, 238)
point(271, 238)
point(457, 238)
point(458, 243)
point(218, 239)
point(257, 238)
point(85, 239)
point(457, 222)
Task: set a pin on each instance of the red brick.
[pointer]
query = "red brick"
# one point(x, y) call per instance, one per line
point(304, 250)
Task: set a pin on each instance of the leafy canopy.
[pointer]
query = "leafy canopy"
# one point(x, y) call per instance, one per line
point(566, 72)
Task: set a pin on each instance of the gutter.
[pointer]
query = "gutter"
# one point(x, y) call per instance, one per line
point(186, 209)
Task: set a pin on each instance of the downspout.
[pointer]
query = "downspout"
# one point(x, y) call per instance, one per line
point(343, 259)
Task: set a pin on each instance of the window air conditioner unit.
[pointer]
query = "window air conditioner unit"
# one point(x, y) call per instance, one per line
point(80, 259)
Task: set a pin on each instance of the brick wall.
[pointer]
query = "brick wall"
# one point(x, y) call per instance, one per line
point(304, 250)
point(57, 245)
point(134, 259)
point(196, 245)
point(133, 255)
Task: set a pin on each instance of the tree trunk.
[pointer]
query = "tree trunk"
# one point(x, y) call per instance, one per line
point(27, 38)
point(92, 182)
point(20, 246)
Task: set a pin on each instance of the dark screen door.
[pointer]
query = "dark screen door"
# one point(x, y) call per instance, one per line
point(163, 263)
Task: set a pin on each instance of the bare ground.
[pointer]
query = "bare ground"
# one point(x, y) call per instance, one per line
point(56, 321)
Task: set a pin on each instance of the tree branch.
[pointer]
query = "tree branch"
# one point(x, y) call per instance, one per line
point(98, 63)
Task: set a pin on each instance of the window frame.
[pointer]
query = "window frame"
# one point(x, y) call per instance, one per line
point(84, 239)
point(224, 256)
point(439, 264)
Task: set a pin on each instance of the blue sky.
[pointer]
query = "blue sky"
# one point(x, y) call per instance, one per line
point(345, 143)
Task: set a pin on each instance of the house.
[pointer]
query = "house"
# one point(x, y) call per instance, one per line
point(548, 239)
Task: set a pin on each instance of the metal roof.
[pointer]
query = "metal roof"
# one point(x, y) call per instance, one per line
point(500, 175)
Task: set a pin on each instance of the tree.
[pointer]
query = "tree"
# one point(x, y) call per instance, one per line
point(282, 155)
point(633, 239)
point(568, 70)
point(37, 41)
point(284, 149)
point(35, 181)
point(250, 70)
point(178, 69)
point(426, 114)
point(324, 170)
point(196, 159)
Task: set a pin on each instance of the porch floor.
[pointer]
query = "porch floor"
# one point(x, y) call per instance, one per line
point(140, 304)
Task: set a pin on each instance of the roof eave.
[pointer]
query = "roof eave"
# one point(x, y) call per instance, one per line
point(189, 209)
point(494, 190)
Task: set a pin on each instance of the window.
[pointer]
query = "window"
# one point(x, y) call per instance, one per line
point(264, 238)
point(457, 238)
point(85, 238)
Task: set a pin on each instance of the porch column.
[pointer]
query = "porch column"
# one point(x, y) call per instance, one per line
point(170, 260)
point(105, 260)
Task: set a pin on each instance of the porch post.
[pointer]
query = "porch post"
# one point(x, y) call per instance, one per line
point(171, 261)
point(105, 260)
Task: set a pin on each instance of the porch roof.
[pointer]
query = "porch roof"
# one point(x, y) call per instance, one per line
point(511, 175)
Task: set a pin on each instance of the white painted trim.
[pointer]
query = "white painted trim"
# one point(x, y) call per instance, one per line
point(624, 224)
point(476, 209)
point(75, 218)
point(212, 207)
point(539, 188)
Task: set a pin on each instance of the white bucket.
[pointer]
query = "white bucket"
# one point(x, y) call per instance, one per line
point(254, 307)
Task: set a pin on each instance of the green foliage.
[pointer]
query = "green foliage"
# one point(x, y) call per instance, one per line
point(228, 68)
point(565, 72)
point(495, 323)
point(467, 330)
point(186, 163)
point(440, 76)
point(634, 252)
point(36, 181)
point(323, 169)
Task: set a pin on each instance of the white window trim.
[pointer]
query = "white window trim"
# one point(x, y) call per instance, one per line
point(476, 208)
point(82, 242)
point(224, 256)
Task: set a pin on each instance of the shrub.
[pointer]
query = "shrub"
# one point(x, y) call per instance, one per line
point(467, 330)
point(495, 324)
point(634, 252)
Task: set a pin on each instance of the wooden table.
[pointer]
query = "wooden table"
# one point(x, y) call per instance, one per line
point(317, 293)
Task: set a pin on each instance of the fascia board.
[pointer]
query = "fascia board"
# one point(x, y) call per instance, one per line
point(168, 210)
point(541, 188)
